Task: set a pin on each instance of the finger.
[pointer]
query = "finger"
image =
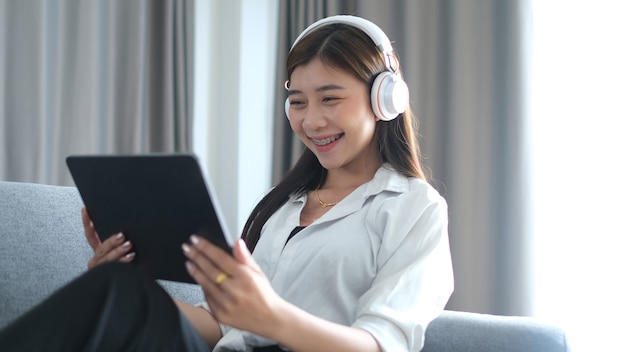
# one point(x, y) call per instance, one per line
point(127, 258)
point(206, 273)
point(109, 244)
point(207, 281)
point(94, 261)
point(114, 248)
point(90, 231)
point(220, 259)
point(204, 270)
point(215, 294)
point(120, 252)
point(124, 258)
point(243, 255)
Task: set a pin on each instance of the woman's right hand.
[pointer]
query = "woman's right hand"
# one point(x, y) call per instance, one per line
point(114, 248)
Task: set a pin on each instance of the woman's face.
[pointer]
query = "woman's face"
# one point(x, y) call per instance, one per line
point(330, 111)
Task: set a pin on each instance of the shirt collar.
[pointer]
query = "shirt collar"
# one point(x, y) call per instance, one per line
point(385, 179)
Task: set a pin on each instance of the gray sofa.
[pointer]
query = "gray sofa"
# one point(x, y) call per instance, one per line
point(42, 247)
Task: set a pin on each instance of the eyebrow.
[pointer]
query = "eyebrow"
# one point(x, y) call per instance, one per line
point(320, 89)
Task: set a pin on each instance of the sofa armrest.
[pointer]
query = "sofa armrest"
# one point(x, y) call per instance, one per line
point(455, 331)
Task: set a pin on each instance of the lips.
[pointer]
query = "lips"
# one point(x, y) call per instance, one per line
point(325, 141)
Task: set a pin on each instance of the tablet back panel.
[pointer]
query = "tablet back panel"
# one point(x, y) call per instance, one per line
point(156, 200)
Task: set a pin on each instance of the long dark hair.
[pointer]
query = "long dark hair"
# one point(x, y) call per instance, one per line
point(348, 48)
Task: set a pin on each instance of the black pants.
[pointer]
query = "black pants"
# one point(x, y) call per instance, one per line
point(110, 308)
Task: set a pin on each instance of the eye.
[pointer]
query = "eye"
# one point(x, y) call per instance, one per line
point(296, 102)
point(329, 99)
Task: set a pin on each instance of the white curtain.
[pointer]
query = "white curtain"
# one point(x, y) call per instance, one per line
point(82, 77)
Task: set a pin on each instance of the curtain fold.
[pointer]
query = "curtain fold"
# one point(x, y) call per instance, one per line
point(462, 62)
point(84, 77)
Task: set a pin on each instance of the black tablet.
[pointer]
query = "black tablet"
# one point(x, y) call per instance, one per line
point(156, 200)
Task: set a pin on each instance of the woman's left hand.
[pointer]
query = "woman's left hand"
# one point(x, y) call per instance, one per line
point(235, 288)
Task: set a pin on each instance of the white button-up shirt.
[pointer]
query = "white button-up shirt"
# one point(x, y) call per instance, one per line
point(379, 260)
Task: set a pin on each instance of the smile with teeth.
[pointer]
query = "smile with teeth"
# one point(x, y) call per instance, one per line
point(326, 141)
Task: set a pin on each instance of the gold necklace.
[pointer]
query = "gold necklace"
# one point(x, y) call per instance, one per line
point(324, 205)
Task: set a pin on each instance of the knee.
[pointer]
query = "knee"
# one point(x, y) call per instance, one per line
point(115, 269)
point(113, 273)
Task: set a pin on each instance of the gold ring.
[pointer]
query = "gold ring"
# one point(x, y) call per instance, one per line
point(220, 278)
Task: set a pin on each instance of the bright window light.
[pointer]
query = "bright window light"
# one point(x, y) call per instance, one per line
point(578, 109)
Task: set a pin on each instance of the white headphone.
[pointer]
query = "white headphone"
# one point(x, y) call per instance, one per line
point(389, 95)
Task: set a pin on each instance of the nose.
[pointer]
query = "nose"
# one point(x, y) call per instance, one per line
point(313, 118)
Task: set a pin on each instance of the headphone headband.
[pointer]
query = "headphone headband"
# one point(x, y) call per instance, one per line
point(389, 93)
point(371, 29)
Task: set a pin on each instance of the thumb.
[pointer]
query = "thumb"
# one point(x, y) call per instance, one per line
point(243, 255)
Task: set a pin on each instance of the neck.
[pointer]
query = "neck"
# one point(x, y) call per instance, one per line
point(343, 178)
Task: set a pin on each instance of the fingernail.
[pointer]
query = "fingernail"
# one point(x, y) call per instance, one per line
point(194, 239)
point(129, 255)
point(126, 244)
point(119, 236)
point(243, 246)
point(186, 248)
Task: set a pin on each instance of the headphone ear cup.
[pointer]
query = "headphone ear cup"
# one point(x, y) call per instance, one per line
point(389, 96)
point(287, 108)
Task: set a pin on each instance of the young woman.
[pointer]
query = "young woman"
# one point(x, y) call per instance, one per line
point(349, 251)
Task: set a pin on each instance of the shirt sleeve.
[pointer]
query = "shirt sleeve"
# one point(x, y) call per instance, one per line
point(414, 277)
